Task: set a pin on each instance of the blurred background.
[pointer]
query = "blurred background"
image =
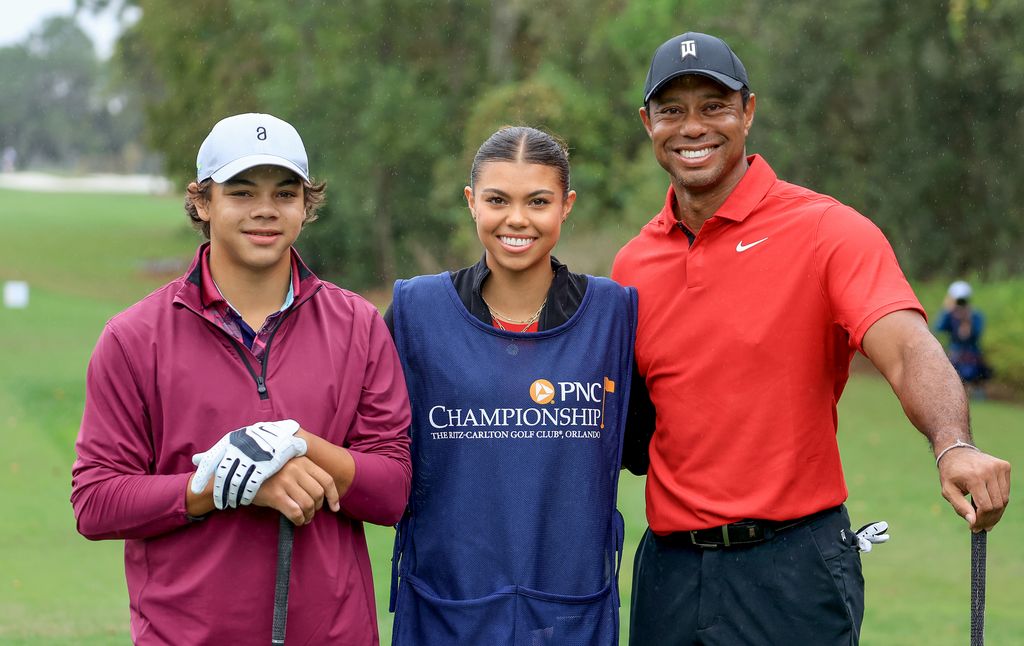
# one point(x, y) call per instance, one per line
point(911, 112)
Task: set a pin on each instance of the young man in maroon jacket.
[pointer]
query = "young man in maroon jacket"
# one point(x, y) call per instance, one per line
point(285, 390)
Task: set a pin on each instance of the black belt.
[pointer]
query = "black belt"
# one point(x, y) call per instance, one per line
point(742, 532)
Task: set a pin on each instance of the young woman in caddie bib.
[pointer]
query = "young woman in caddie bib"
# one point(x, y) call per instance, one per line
point(518, 372)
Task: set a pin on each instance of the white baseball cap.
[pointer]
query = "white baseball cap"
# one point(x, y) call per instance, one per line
point(959, 289)
point(243, 141)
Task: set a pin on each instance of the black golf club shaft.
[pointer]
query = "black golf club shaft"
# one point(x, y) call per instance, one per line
point(285, 538)
point(979, 546)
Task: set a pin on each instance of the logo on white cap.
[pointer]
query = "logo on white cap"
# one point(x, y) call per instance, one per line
point(689, 48)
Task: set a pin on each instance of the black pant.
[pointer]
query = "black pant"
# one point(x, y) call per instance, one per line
point(803, 586)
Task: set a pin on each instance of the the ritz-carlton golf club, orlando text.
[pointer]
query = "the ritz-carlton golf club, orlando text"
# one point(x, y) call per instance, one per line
point(578, 415)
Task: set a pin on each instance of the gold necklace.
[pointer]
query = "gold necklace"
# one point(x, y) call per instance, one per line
point(499, 317)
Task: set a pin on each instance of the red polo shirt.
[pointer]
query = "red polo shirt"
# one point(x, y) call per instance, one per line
point(745, 339)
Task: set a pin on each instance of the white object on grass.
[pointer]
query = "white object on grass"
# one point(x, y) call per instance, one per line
point(16, 294)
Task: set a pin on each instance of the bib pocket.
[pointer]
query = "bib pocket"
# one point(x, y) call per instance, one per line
point(424, 619)
point(515, 616)
point(558, 620)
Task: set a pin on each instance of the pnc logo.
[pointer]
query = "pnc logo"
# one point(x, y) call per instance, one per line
point(542, 391)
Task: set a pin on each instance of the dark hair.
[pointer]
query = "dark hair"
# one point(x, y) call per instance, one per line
point(313, 196)
point(523, 144)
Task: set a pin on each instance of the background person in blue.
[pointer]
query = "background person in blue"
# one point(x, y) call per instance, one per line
point(964, 326)
point(518, 371)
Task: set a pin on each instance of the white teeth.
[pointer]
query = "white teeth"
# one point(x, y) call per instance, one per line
point(515, 242)
point(694, 154)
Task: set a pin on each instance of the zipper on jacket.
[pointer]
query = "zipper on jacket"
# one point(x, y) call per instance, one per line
point(261, 379)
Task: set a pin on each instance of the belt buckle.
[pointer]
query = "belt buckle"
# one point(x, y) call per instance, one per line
point(699, 543)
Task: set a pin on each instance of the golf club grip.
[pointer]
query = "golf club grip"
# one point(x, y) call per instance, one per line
point(979, 546)
point(285, 537)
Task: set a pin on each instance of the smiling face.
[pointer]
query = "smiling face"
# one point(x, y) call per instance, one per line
point(254, 218)
point(519, 209)
point(698, 129)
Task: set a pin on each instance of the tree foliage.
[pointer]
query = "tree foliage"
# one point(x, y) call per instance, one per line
point(909, 112)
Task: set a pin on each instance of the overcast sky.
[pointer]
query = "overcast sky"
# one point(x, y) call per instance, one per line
point(18, 18)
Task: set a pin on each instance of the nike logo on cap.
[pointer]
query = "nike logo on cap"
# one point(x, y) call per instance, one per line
point(740, 247)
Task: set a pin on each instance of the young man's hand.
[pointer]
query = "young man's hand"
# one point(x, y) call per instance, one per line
point(242, 460)
point(298, 491)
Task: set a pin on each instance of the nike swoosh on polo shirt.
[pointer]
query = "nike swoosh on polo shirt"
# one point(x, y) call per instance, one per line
point(740, 247)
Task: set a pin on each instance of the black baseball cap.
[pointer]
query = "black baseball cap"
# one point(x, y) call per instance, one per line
point(695, 53)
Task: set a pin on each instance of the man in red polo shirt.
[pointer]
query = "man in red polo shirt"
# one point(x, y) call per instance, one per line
point(754, 295)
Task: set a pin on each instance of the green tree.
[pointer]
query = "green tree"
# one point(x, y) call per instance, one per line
point(377, 104)
point(907, 112)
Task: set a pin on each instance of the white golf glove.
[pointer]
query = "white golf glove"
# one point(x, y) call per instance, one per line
point(243, 459)
point(872, 533)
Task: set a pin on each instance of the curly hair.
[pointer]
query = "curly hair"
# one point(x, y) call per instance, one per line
point(313, 195)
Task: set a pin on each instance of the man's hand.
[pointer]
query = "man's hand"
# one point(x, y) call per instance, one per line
point(243, 459)
point(915, 365)
point(298, 490)
point(985, 477)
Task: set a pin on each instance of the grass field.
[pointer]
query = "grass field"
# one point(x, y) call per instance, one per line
point(88, 256)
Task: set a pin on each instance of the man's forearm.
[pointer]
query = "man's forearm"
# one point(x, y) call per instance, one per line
point(333, 459)
point(932, 396)
point(913, 362)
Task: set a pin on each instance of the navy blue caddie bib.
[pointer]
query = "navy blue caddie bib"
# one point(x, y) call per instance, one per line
point(512, 536)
